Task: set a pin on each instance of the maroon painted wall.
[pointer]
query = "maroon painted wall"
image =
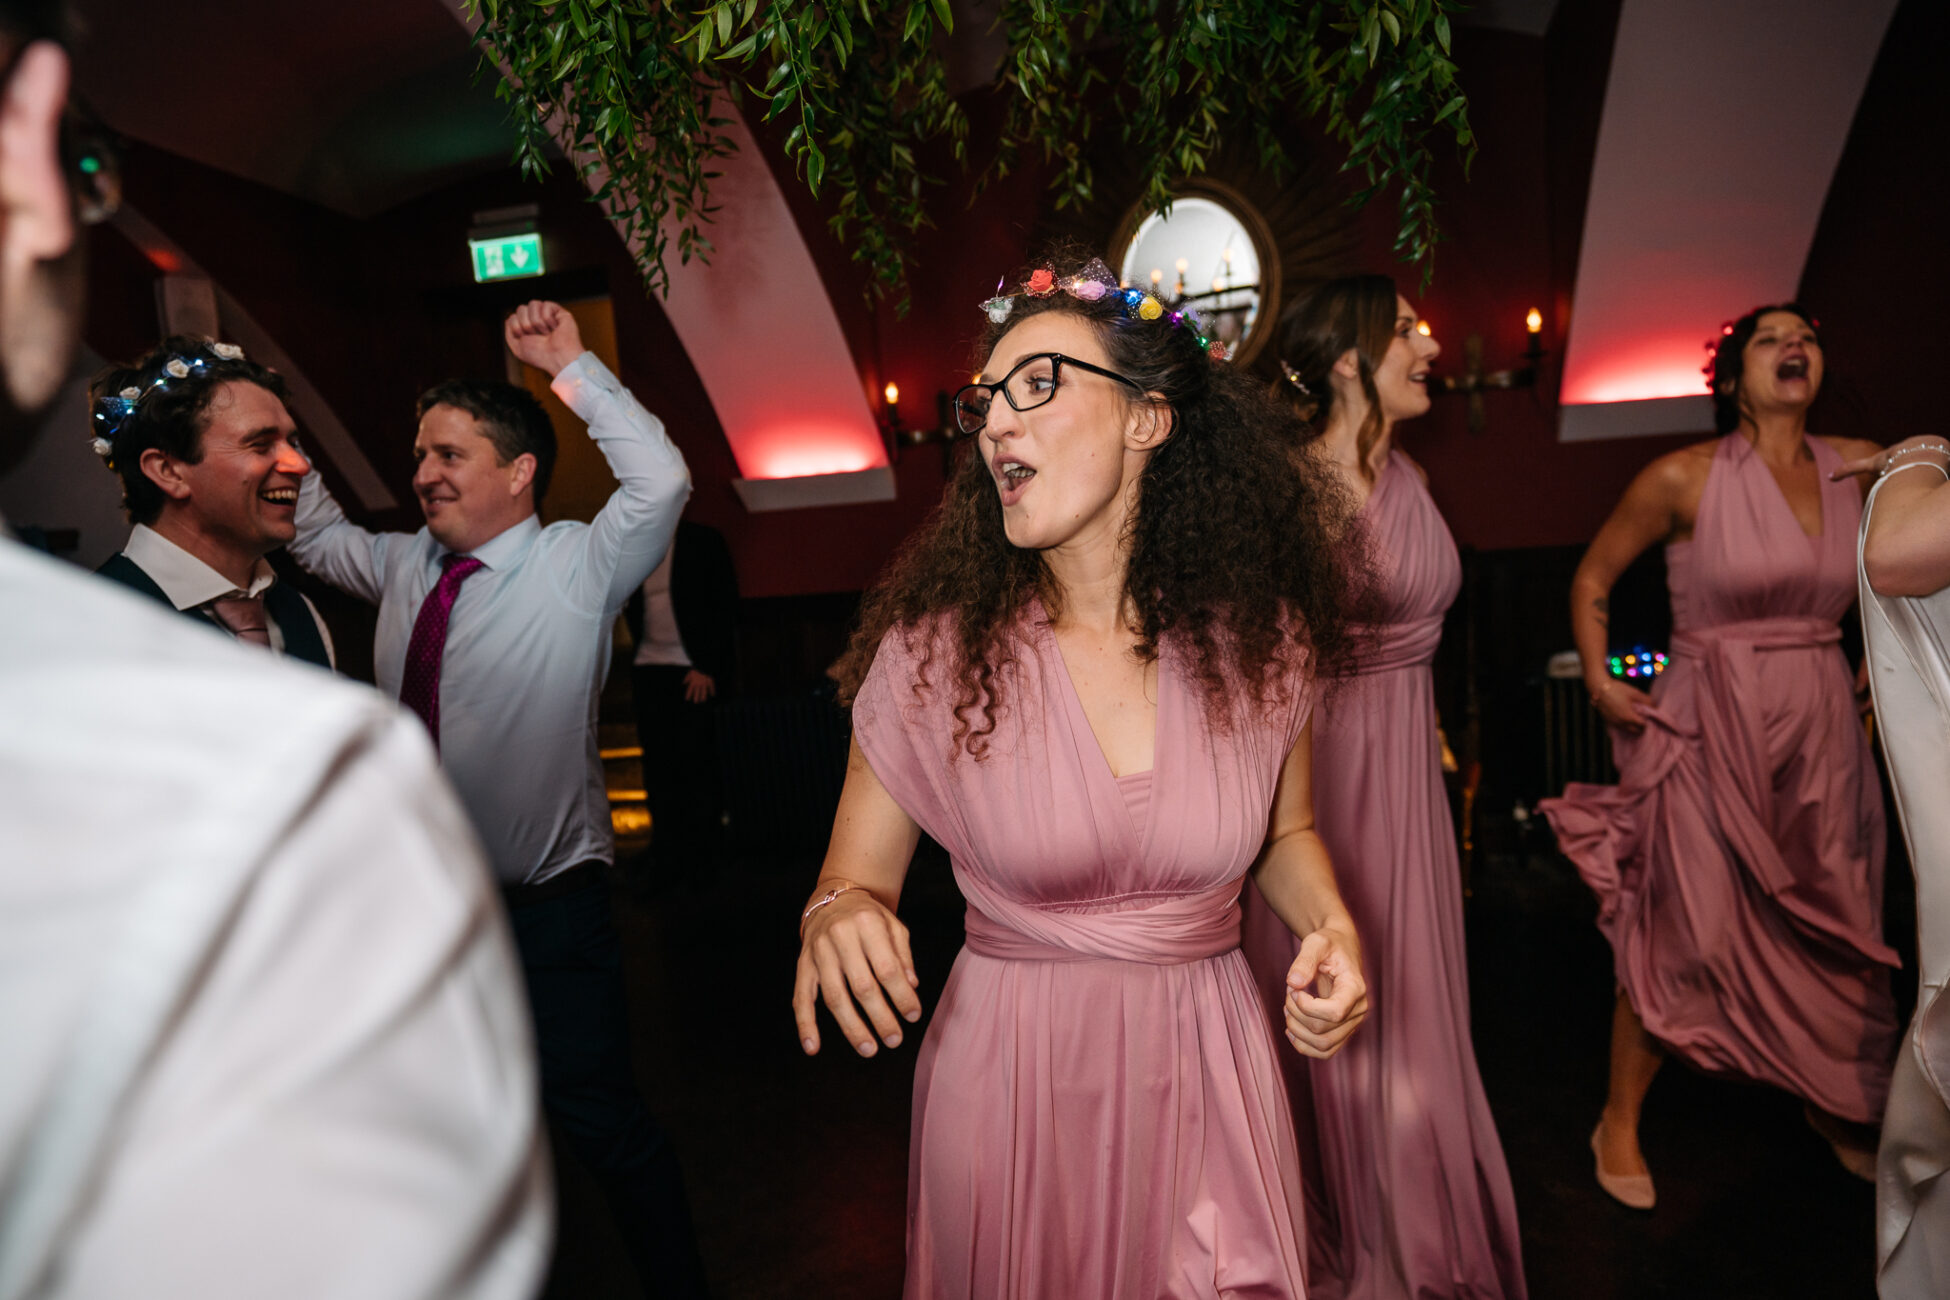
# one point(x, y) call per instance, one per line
point(1880, 265)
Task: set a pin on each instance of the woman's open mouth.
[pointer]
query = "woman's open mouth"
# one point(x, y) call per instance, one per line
point(1011, 478)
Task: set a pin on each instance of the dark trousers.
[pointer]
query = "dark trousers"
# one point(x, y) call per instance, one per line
point(680, 771)
point(573, 964)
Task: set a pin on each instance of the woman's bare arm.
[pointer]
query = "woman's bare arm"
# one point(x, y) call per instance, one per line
point(1907, 549)
point(854, 950)
point(1647, 514)
point(1296, 878)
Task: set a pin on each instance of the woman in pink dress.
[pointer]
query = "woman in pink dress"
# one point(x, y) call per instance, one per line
point(1738, 862)
point(1407, 1188)
point(1090, 681)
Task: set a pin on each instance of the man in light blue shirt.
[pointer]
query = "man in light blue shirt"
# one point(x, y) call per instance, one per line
point(496, 632)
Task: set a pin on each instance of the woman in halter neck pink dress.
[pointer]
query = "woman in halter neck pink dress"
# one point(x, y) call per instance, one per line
point(1738, 862)
point(1407, 1188)
point(1054, 696)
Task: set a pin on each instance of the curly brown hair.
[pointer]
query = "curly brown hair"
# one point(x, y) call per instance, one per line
point(1237, 547)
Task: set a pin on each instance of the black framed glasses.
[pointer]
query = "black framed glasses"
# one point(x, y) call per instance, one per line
point(1032, 383)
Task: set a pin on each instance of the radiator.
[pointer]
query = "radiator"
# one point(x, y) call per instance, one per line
point(1576, 746)
point(783, 760)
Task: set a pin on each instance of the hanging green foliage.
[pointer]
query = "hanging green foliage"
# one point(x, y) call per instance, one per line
point(633, 90)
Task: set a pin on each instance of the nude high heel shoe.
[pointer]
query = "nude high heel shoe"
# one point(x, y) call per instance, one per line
point(1633, 1190)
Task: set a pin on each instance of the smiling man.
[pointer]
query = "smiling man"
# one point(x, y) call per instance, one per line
point(210, 466)
point(496, 632)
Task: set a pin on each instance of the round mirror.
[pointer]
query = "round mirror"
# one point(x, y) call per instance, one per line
point(1202, 256)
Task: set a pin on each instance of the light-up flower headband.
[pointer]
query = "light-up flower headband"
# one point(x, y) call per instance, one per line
point(112, 410)
point(1093, 284)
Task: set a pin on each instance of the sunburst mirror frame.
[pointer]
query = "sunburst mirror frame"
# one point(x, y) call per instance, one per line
point(1303, 230)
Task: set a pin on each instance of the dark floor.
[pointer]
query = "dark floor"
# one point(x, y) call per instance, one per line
point(797, 1167)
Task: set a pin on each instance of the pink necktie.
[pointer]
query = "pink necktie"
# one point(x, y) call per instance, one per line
point(244, 616)
point(419, 688)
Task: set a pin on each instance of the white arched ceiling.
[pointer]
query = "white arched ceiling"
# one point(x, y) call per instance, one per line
point(1722, 126)
point(766, 344)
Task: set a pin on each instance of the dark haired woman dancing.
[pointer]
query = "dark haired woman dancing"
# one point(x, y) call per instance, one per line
point(1738, 862)
point(1403, 1165)
point(1089, 677)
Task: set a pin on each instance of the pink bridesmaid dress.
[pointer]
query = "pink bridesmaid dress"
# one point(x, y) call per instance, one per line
point(1738, 861)
point(1407, 1191)
point(1097, 1103)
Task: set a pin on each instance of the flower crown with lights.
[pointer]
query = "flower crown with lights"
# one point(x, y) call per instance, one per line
point(1095, 283)
point(113, 410)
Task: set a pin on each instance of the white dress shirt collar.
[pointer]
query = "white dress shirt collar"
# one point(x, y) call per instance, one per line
point(186, 580)
point(507, 546)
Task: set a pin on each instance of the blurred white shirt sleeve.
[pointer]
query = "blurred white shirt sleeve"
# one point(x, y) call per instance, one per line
point(347, 1108)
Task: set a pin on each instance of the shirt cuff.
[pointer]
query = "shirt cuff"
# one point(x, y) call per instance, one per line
point(584, 383)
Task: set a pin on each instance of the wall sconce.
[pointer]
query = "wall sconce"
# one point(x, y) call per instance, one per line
point(890, 419)
point(1474, 380)
point(945, 432)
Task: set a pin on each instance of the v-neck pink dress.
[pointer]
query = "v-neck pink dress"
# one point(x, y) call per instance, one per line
point(1097, 1104)
point(1738, 861)
point(1408, 1195)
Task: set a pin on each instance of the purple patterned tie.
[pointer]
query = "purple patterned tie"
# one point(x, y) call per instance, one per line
point(419, 689)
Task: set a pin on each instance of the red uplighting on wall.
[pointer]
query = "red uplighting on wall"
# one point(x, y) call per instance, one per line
point(799, 451)
point(1636, 368)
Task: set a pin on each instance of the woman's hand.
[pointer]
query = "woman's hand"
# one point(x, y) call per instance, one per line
point(1620, 705)
point(1318, 1024)
point(854, 950)
point(1931, 447)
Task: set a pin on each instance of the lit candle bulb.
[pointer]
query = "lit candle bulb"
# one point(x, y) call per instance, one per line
point(1182, 265)
point(892, 393)
point(1534, 322)
point(1157, 277)
point(1217, 284)
point(1422, 328)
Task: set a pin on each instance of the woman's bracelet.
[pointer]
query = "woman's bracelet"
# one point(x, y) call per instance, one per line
point(823, 900)
point(1890, 458)
point(1916, 464)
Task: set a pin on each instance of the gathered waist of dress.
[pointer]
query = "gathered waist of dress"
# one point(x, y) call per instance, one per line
point(1175, 930)
point(1791, 632)
point(1391, 647)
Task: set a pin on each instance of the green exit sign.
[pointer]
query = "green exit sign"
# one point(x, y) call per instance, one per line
point(509, 257)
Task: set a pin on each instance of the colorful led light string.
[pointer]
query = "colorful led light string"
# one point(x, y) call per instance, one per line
point(1639, 664)
point(1094, 283)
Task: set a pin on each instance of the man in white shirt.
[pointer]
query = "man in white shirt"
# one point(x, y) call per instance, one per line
point(263, 1034)
point(496, 631)
point(209, 463)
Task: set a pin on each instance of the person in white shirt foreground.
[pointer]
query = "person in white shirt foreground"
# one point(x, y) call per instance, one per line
point(259, 1018)
point(1904, 574)
point(496, 631)
point(209, 463)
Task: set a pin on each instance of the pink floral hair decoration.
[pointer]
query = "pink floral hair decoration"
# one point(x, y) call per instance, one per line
point(1094, 283)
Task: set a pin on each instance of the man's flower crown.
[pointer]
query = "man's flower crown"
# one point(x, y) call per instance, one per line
point(1094, 283)
point(112, 410)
